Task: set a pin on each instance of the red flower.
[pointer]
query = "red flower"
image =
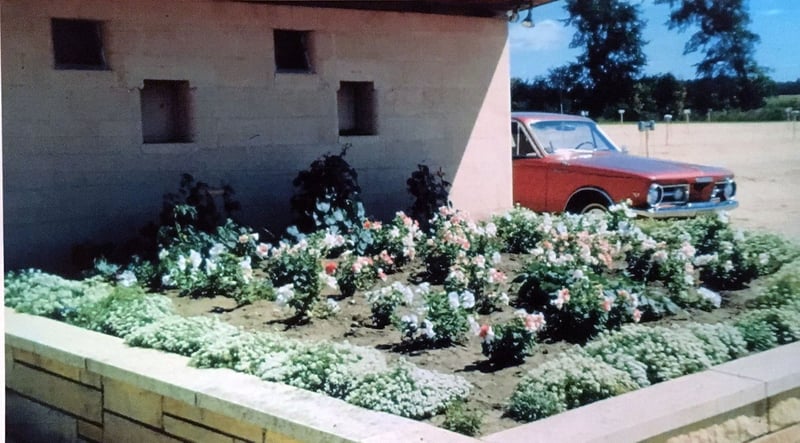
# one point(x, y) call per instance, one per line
point(330, 268)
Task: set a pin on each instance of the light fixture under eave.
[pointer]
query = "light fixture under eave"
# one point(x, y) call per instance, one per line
point(528, 22)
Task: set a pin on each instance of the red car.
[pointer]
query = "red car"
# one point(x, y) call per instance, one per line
point(566, 163)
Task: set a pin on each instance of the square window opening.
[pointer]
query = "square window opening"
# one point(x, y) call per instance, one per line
point(292, 50)
point(357, 110)
point(78, 44)
point(166, 111)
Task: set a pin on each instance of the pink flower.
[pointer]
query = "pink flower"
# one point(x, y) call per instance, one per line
point(381, 274)
point(606, 304)
point(637, 315)
point(486, 333)
point(262, 250)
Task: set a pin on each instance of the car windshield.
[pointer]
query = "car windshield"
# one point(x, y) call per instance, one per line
point(570, 135)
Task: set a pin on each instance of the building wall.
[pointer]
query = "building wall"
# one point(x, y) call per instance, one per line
point(75, 168)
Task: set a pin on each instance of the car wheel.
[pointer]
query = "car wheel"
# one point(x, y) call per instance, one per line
point(594, 208)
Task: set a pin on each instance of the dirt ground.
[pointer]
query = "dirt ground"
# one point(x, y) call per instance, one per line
point(766, 160)
point(764, 156)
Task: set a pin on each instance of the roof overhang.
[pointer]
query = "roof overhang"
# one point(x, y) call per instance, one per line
point(477, 8)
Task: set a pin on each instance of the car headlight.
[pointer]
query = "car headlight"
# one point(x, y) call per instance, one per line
point(654, 195)
point(729, 190)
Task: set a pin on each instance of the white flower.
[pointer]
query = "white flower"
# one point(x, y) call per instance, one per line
point(503, 298)
point(332, 240)
point(496, 258)
point(332, 305)
point(254, 236)
point(195, 258)
point(262, 250)
point(127, 279)
point(329, 281)
point(162, 254)
point(181, 263)
point(711, 296)
point(284, 294)
point(577, 274)
point(167, 281)
point(427, 329)
point(216, 250)
point(247, 269)
point(474, 327)
point(468, 300)
point(763, 258)
point(409, 319)
point(491, 229)
point(211, 267)
point(727, 266)
point(453, 299)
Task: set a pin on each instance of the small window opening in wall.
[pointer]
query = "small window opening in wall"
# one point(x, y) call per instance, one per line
point(356, 104)
point(166, 112)
point(78, 44)
point(292, 50)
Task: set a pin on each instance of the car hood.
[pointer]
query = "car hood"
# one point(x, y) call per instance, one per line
point(651, 168)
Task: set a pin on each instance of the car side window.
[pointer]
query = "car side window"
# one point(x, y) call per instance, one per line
point(522, 146)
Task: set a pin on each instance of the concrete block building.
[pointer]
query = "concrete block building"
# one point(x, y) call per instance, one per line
point(106, 103)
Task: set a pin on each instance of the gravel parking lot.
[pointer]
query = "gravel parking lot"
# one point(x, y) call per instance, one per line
point(764, 156)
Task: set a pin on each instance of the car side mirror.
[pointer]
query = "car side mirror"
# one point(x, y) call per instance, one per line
point(624, 149)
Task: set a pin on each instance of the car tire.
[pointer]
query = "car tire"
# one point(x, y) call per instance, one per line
point(594, 208)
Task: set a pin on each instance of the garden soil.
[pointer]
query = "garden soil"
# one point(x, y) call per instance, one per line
point(766, 160)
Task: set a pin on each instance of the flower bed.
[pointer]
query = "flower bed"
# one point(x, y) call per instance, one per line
point(417, 323)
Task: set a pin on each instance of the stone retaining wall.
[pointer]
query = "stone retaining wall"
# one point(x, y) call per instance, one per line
point(67, 384)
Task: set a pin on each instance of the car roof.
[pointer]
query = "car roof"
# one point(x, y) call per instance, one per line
point(533, 117)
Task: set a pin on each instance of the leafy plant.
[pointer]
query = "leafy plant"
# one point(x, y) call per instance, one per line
point(765, 329)
point(441, 320)
point(459, 418)
point(356, 273)
point(331, 182)
point(509, 343)
point(384, 301)
point(195, 205)
point(430, 191)
point(570, 380)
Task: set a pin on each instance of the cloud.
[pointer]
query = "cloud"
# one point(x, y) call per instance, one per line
point(547, 35)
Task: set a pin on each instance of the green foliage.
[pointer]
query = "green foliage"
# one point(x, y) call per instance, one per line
point(122, 311)
point(459, 418)
point(765, 329)
point(430, 191)
point(409, 391)
point(568, 381)
point(384, 301)
point(610, 34)
point(332, 183)
point(783, 288)
point(195, 205)
point(667, 353)
point(298, 273)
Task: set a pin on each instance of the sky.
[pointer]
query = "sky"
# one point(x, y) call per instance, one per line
point(536, 50)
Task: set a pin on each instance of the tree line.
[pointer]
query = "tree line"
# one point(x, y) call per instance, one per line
point(607, 74)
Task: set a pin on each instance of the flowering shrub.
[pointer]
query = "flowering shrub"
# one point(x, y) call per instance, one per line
point(456, 240)
point(721, 342)
point(356, 273)
point(667, 353)
point(441, 320)
point(509, 343)
point(570, 380)
point(518, 229)
point(395, 243)
point(35, 292)
point(480, 277)
point(783, 288)
point(122, 311)
point(297, 272)
point(385, 300)
point(409, 391)
point(180, 335)
point(577, 301)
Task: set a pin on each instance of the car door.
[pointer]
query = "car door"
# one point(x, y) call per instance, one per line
point(529, 169)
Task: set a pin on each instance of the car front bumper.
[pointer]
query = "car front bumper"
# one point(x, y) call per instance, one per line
point(687, 210)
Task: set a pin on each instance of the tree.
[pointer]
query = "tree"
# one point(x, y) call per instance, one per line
point(611, 33)
point(727, 44)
